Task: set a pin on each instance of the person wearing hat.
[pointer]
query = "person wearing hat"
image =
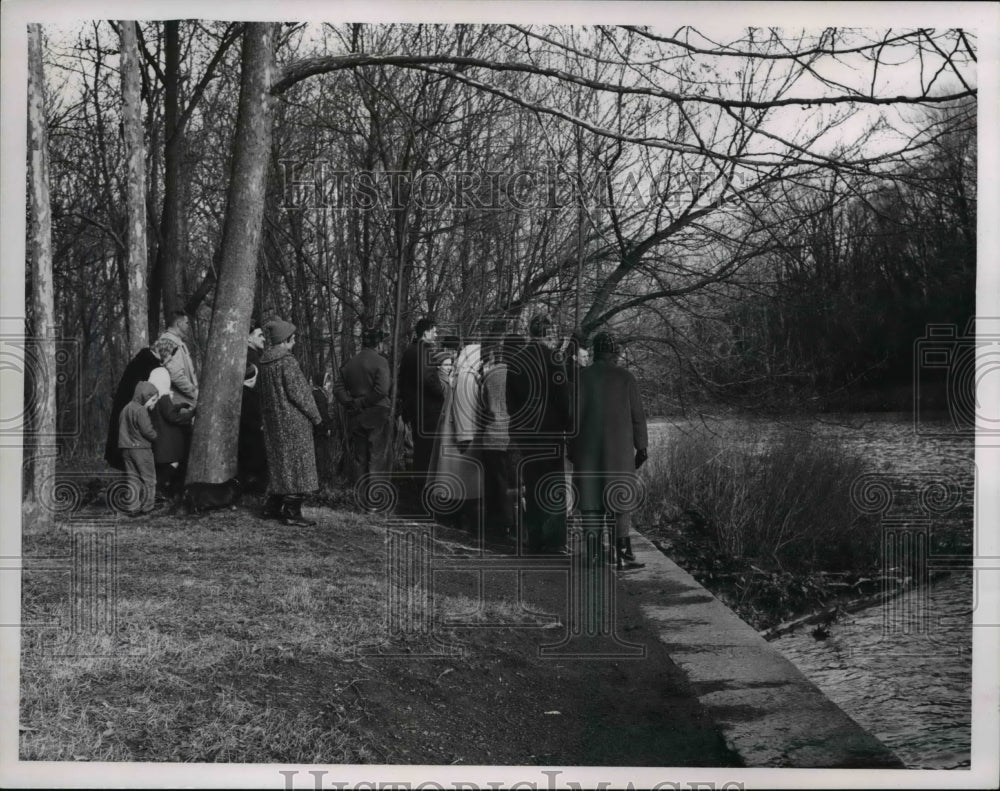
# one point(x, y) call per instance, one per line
point(251, 457)
point(363, 390)
point(610, 445)
point(289, 413)
point(135, 438)
point(137, 370)
point(422, 394)
point(538, 403)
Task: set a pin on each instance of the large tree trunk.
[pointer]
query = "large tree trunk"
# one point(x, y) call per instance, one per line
point(173, 136)
point(135, 149)
point(40, 366)
point(213, 450)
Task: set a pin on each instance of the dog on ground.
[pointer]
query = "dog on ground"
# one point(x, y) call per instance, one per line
point(200, 497)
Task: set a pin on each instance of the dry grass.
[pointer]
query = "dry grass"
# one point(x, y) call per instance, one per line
point(225, 625)
point(781, 499)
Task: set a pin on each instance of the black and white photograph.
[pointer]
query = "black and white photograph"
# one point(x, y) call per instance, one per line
point(527, 395)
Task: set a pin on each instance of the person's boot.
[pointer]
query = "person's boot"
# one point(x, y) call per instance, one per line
point(272, 507)
point(624, 557)
point(291, 512)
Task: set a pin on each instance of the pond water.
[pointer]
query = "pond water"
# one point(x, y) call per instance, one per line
point(901, 670)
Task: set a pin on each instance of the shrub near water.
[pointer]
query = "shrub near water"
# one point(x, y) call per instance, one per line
point(781, 500)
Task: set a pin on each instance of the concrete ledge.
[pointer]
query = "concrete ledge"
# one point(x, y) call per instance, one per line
point(768, 712)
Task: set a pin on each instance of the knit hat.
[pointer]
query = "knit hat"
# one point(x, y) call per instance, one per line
point(278, 331)
point(605, 343)
point(160, 379)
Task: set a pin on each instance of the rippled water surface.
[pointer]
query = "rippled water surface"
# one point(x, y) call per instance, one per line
point(903, 670)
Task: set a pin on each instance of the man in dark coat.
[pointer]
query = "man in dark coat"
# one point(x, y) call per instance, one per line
point(611, 444)
point(289, 413)
point(422, 395)
point(138, 370)
point(363, 389)
point(538, 401)
point(251, 457)
point(255, 345)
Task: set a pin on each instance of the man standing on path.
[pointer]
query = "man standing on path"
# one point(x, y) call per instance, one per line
point(363, 389)
point(183, 379)
point(610, 446)
point(538, 401)
point(422, 395)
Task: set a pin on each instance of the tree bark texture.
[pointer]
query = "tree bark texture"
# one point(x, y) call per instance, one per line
point(172, 151)
point(213, 451)
point(40, 350)
point(135, 151)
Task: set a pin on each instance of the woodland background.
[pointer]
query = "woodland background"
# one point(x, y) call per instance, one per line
point(813, 205)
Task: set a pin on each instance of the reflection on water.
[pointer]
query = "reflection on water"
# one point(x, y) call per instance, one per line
point(908, 682)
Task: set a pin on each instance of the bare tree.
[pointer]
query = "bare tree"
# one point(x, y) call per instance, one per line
point(40, 357)
point(135, 151)
point(213, 449)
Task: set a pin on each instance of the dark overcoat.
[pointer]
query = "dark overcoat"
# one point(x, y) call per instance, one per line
point(251, 455)
point(289, 413)
point(364, 381)
point(612, 429)
point(172, 426)
point(420, 388)
point(138, 370)
point(537, 390)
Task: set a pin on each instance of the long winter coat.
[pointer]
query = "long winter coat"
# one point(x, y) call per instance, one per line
point(494, 422)
point(420, 388)
point(538, 395)
point(612, 429)
point(456, 465)
point(171, 424)
point(289, 413)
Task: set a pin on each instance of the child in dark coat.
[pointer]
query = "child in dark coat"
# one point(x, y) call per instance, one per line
point(135, 437)
point(172, 423)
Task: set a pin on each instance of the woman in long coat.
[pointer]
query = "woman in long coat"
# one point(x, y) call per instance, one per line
point(457, 472)
point(611, 444)
point(289, 413)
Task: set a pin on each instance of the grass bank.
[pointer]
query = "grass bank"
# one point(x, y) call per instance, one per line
point(765, 521)
point(237, 640)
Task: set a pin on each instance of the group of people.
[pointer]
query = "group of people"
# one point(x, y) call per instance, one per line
point(149, 433)
point(497, 424)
